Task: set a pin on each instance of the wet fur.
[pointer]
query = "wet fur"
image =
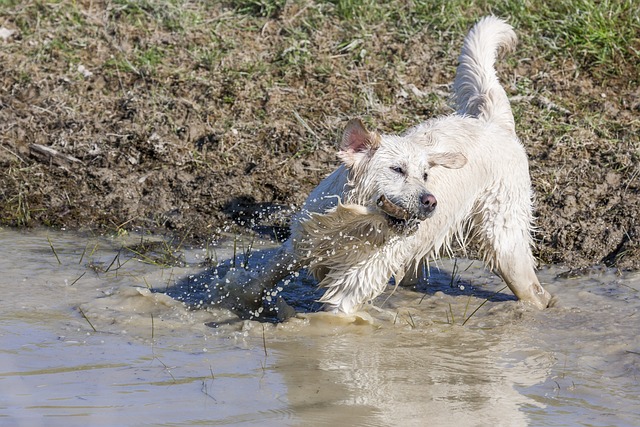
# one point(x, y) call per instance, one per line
point(473, 164)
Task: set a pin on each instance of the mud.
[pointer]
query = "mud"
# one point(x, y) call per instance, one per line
point(192, 129)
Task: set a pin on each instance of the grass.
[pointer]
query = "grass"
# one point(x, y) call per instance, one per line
point(161, 253)
point(598, 34)
point(261, 8)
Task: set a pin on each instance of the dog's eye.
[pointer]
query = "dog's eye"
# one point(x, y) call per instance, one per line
point(425, 176)
point(397, 169)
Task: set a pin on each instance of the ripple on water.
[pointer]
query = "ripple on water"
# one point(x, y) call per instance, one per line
point(453, 349)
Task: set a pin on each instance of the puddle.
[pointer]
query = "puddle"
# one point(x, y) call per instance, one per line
point(90, 338)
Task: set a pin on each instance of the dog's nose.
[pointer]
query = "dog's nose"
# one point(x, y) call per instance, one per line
point(428, 202)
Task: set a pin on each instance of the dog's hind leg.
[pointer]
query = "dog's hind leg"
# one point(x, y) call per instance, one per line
point(503, 227)
point(516, 268)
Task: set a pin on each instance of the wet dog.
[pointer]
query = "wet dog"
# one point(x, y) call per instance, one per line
point(401, 199)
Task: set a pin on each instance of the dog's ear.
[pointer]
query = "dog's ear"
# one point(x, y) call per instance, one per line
point(356, 141)
point(448, 160)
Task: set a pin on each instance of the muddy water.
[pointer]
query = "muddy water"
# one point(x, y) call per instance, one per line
point(88, 337)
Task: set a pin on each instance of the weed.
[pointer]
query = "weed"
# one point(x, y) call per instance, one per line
point(602, 32)
point(296, 53)
point(161, 253)
point(22, 213)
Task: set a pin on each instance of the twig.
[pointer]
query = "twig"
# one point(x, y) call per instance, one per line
point(453, 319)
point(114, 260)
point(264, 342)
point(83, 253)
point(166, 368)
point(413, 323)
point(305, 124)
point(454, 272)
point(53, 249)
point(205, 389)
point(11, 152)
point(466, 307)
point(80, 277)
point(235, 249)
point(48, 155)
point(478, 308)
point(87, 319)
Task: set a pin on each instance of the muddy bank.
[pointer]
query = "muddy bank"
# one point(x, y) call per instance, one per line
point(191, 119)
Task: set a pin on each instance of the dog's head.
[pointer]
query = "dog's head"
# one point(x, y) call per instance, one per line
point(392, 173)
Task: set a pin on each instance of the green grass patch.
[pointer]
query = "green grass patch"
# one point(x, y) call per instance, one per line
point(170, 15)
point(260, 8)
point(597, 34)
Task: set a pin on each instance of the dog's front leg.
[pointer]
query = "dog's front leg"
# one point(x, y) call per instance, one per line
point(350, 285)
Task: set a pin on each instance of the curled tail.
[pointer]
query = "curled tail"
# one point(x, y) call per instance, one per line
point(477, 91)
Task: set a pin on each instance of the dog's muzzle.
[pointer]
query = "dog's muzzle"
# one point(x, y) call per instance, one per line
point(402, 219)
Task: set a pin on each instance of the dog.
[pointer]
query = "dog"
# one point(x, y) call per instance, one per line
point(397, 200)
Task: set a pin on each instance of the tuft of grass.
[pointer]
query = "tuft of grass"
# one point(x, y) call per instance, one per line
point(602, 35)
point(21, 211)
point(362, 11)
point(159, 253)
point(410, 321)
point(260, 8)
point(245, 252)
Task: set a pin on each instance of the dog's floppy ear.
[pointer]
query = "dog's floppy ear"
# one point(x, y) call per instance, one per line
point(357, 141)
point(448, 160)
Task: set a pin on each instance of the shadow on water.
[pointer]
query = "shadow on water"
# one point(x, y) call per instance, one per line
point(300, 291)
point(435, 279)
point(200, 291)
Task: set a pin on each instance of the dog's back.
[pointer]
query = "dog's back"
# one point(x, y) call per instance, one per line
point(477, 91)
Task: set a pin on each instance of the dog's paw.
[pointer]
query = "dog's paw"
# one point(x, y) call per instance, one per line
point(332, 319)
point(283, 310)
point(240, 292)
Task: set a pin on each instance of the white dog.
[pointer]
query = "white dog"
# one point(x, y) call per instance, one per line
point(397, 200)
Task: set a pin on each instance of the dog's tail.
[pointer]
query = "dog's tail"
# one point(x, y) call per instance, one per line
point(476, 89)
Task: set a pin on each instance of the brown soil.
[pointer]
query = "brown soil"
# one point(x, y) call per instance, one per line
point(158, 128)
